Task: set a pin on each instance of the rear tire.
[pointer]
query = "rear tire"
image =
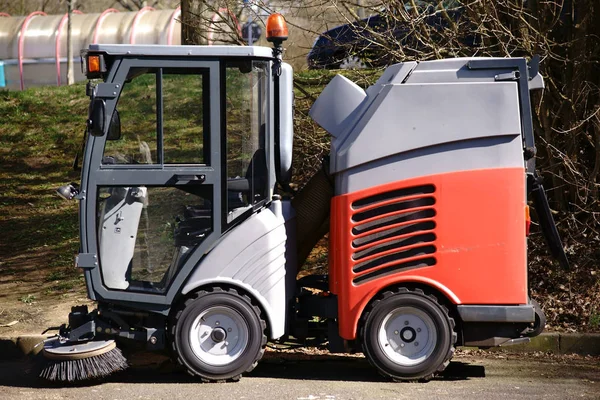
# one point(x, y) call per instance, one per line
point(407, 335)
point(218, 335)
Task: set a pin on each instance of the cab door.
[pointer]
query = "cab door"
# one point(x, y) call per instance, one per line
point(150, 209)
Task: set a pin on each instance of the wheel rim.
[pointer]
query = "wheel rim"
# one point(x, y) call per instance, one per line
point(219, 335)
point(407, 336)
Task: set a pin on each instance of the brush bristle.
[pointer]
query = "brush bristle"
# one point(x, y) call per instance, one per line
point(83, 369)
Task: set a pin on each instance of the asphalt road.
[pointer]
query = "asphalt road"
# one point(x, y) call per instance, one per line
point(327, 377)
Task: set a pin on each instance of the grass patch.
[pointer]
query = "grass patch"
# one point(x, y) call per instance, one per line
point(28, 299)
point(55, 276)
point(64, 286)
point(40, 133)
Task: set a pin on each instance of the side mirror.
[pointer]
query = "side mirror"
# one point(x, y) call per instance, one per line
point(68, 191)
point(97, 117)
point(114, 130)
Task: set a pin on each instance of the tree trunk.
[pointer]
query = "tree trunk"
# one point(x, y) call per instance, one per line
point(187, 31)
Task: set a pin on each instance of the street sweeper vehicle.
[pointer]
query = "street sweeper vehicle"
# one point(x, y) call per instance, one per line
point(189, 243)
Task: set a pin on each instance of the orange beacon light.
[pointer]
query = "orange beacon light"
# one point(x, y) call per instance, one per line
point(277, 30)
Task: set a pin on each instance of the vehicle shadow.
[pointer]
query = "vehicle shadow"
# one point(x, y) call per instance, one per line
point(343, 367)
point(149, 368)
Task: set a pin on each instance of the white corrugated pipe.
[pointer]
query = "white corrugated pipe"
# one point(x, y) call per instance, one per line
point(33, 47)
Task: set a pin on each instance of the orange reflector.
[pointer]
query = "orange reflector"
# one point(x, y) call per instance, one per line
point(277, 29)
point(527, 221)
point(94, 64)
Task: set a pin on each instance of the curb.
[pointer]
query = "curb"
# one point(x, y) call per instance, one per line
point(584, 344)
point(555, 343)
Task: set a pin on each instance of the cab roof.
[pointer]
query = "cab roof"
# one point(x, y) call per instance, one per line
point(166, 50)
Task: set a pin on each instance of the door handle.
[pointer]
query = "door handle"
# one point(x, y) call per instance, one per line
point(190, 179)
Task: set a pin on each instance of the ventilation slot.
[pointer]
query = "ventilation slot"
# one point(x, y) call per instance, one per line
point(401, 255)
point(391, 232)
point(394, 207)
point(394, 244)
point(393, 269)
point(393, 220)
point(394, 228)
point(394, 194)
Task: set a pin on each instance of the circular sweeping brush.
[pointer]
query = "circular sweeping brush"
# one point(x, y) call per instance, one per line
point(81, 361)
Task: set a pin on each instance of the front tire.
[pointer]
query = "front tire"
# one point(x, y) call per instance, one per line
point(407, 335)
point(218, 335)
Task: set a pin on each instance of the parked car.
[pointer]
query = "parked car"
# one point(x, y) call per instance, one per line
point(354, 45)
point(338, 47)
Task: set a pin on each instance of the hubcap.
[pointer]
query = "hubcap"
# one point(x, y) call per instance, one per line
point(407, 336)
point(219, 335)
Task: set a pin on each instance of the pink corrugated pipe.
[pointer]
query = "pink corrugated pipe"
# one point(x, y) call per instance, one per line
point(99, 23)
point(61, 25)
point(4, 15)
point(21, 40)
point(135, 22)
point(172, 25)
point(214, 19)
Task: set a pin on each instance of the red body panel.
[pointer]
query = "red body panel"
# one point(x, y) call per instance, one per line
point(479, 243)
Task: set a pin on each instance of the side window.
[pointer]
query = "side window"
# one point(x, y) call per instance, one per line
point(164, 118)
point(245, 114)
point(145, 234)
point(184, 116)
point(137, 110)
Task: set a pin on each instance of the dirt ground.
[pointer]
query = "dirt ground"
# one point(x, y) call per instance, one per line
point(38, 241)
point(30, 301)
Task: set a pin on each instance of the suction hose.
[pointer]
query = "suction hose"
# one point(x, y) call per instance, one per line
point(313, 205)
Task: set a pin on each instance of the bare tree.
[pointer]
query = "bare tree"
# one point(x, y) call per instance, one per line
point(565, 33)
point(134, 5)
point(209, 22)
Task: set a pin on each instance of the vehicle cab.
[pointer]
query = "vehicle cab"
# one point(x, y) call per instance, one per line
point(180, 149)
